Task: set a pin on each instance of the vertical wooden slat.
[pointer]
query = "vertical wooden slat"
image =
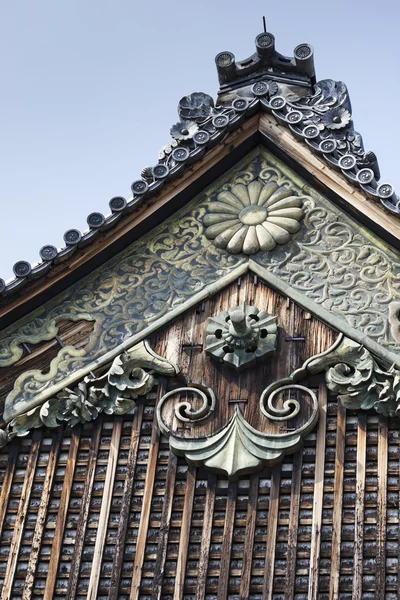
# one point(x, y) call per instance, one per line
point(105, 509)
point(84, 511)
point(125, 504)
point(164, 527)
point(62, 515)
point(293, 526)
point(42, 512)
point(206, 537)
point(247, 562)
point(21, 515)
point(273, 514)
point(223, 581)
point(185, 533)
point(337, 503)
point(382, 508)
point(7, 481)
point(359, 508)
point(318, 495)
point(146, 504)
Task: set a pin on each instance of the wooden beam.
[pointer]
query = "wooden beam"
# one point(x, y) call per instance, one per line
point(164, 527)
point(273, 515)
point(105, 509)
point(223, 581)
point(382, 508)
point(6, 593)
point(328, 177)
point(42, 512)
point(247, 563)
point(126, 504)
point(318, 495)
point(7, 481)
point(185, 533)
point(62, 515)
point(206, 537)
point(337, 503)
point(84, 511)
point(359, 506)
point(146, 504)
point(293, 526)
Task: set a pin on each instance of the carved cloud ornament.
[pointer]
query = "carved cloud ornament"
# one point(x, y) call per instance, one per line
point(238, 447)
point(114, 392)
point(254, 217)
point(241, 336)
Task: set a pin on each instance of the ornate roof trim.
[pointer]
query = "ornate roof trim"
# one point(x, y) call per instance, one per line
point(320, 117)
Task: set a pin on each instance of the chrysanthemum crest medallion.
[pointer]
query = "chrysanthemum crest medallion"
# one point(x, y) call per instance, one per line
point(254, 217)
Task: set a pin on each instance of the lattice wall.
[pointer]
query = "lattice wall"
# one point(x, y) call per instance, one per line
point(107, 512)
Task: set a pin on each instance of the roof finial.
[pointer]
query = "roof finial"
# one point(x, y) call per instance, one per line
point(265, 25)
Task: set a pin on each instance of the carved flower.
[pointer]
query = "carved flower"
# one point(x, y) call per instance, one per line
point(184, 130)
point(75, 406)
point(389, 396)
point(254, 217)
point(337, 118)
point(196, 106)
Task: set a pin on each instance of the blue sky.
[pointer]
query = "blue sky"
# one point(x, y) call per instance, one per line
point(90, 90)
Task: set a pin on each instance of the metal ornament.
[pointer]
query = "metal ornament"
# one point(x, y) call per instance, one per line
point(241, 336)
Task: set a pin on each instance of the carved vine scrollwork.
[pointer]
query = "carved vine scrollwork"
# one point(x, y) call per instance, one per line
point(131, 375)
point(184, 410)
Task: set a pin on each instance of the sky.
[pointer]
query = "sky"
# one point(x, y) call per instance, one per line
point(90, 90)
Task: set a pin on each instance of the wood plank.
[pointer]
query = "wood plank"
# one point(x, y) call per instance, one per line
point(126, 504)
point(84, 511)
point(7, 481)
point(147, 495)
point(382, 508)
point(328, 177)
point(223, 581)
point(293, 526)
point(6, 593)
point(338, 502)
point(185, 533)
point(62, 515)
point(244, 589)
point(42, 512)
point(273, 514)
point(318, 494)
point(105, 509)
point(206, 537)
point(359, 506)
point(164, 527)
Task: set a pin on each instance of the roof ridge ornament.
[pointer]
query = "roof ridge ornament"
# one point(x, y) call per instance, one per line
point(318, 114)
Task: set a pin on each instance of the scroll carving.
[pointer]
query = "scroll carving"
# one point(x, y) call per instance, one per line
point(238, 447)
point(330, 266)
point(113, 392)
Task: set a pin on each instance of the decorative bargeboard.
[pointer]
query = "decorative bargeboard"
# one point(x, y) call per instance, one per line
point(331, 266)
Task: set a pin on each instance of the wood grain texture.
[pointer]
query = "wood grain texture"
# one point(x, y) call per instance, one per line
point(84, 510)
point(359, 507)
point(318, 495)
point(206, 537)
point(338, 503)
point(271, 534)
point(61, 516)
point(382, 507)
point(6, 593)
point(105, 509)
point(185, 534)
point(227, 543)
point(249, 538)
point(41, 516)
point(293, 526)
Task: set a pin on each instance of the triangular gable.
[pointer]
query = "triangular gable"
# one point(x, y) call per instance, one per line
point(330, 265)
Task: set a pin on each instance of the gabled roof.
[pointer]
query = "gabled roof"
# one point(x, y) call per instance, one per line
point(318, 115)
